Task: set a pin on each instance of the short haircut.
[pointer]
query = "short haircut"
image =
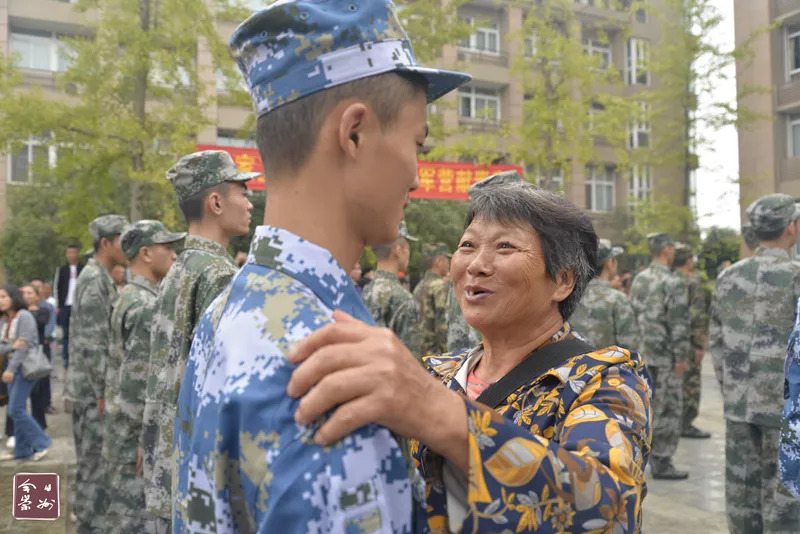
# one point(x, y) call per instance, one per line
point(680, 261)
point(655, 250)
point(193, 208)
point(17, 302)
point(382, 252)
point(110, 238)
point(287, 135)
point(569, 241)
point(769, 236)
point(427, 261)
point(75, 246)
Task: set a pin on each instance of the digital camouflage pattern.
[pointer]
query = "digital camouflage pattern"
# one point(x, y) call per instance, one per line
point(244, 465)
point(790, 429)
point(89, 348)
point(203, 170)
point(107, 226)
point(605, 317)
point(662, 313)
point(200, 273)
point(771, 213)
point(752, 314)
point(146, 233)
point(294, 48)
point(460, 335)
point(125, 389)
point(431, 295)
point(395, 308)
point(565, 453)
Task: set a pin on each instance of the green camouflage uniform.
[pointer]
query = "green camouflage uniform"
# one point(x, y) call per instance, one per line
point(89, 346)
point(431, 295)
point(662, 313)
point(460, 335)
point(395, 308)
point(604, 315)
point(752, 314)
point(201, 272)
point(126, 381)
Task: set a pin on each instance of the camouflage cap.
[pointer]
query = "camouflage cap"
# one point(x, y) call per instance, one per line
point(771, 213)
point(199, 171)
point(106, 226)
point(145, 233)
point(682, 252)
point(404, 232)
point(659, 240)
point(606, 251)
point(506, 177)
point(294, 48)
point(432, 250)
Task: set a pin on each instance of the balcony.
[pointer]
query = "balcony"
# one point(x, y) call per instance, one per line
point(788, 95)
point(480, 125)
point(469, 55)
point(786, 7)
point(789, 170)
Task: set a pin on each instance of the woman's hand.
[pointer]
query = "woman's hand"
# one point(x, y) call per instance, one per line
point(372, 377)
point(19, 344)
point(7, 377)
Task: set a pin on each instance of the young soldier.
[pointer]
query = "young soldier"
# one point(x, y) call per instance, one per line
point(431, 295)
point(90, 343)
point(147, 244)
point(342, 114)
point(391, 305)
point(213, 198)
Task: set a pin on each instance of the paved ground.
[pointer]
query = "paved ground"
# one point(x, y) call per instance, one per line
point(696, 505)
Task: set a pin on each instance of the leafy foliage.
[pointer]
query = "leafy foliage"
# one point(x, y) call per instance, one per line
point(720, 245)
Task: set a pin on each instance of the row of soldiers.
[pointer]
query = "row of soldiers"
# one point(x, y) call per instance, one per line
point(128, 351)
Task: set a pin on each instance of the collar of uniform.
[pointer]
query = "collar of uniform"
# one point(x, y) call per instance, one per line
point(93, 262)
point(304, 261)
point(195, 242)
point(771, 251)
point(599, 282)
point(431, 274)
point(144, 283)
point(386, 274)
point(660, 266)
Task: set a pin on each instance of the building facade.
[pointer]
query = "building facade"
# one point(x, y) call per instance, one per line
point(31, 29)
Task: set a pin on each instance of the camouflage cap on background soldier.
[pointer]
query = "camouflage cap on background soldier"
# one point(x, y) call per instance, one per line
point(682, 252)
point(107, 226)
point(772, 213)
point(146, 233)
point(659, 240)
point(506, 177)
point(293, 49)
point(606, 251)
point(433, 250)
point(202, 170)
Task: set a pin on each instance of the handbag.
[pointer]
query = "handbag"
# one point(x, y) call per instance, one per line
point(35, 365)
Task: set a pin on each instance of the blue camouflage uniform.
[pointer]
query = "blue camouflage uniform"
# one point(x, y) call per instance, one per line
point(243, 464)
point(789, 452)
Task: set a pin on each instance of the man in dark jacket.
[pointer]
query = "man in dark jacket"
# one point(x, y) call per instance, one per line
point(64, 283)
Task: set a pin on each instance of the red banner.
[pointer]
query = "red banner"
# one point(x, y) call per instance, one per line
point(437, 179)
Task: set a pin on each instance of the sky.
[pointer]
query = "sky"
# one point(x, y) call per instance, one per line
point(717, 191)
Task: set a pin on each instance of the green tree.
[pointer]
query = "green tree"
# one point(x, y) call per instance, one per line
point(719, 245)
point(135, 104)
point(433, 221)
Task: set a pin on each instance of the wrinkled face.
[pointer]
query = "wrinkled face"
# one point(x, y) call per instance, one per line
point(236, 209)
point(161, 257)
point(5, 301)
point(30, 296)
point(500, 278)
point(384, 171)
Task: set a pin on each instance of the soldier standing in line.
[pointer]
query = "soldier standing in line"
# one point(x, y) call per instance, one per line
point(391, 305)
point(752, 313)
point(147, 245)
point(431, 295)
point(212, 195)
point(683, 267)
point(89, 346)
point(662, 313)
point(604, 315)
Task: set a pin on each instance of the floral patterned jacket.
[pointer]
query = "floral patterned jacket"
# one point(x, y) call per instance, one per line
point(564, 453)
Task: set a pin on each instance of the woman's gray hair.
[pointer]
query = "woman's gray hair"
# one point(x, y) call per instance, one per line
point(566, 231)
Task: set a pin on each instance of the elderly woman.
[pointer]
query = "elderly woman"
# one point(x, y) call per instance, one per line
point(564, 449)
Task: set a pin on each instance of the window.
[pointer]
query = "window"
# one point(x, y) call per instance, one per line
point(594, 110)
point(477, 103)
point(641, 12)
point(640, 185)
point(636, 67)
point(24, 164)
point(793, 52)
point(594, 47)
point(540, 178)
point(639, 130)
point(237, 79)
point(600, 188)
point(39, 52)
point(486, 39)
point(794, 136)
point(530, 46)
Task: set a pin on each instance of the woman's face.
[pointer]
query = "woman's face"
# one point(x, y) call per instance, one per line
point(500, 279)
point(28, 293)
point(5, 301)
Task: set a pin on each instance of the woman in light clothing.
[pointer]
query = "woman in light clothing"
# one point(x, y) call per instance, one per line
point(18, 336)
